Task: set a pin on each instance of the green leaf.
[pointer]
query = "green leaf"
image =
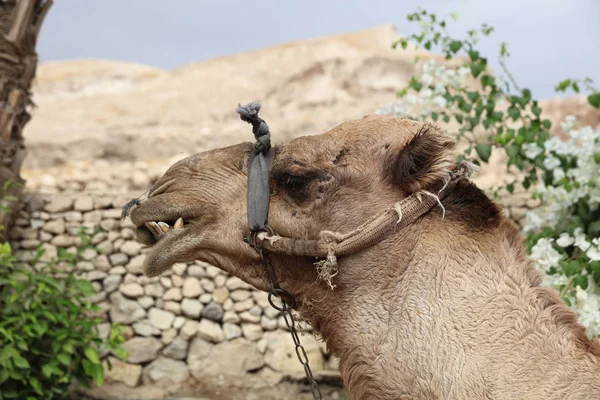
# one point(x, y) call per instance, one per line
point(455, 46)
point(477, 68)
point(484, 151)
point(21, 362)
point(434, 116)
point(536, 111)
point(415, 84)
point(547, 124)
point(514, 113)
point(594, 100)
point(473, 55)
point(597, 158)
point(85, 287)
point(120, 352)
point(473, 96)
point(581, 281)
point(64, 358)
point(92, 355)
point(571, 268)
point(35, 384)
point(510, 187)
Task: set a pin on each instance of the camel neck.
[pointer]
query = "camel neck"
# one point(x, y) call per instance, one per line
point(436, 322)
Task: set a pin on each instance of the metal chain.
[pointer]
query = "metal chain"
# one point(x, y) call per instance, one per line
point(287, 304)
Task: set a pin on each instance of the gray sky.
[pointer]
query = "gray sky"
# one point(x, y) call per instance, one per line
point(549, 40)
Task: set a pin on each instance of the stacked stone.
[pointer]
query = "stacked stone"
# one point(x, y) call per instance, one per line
point(193, 321)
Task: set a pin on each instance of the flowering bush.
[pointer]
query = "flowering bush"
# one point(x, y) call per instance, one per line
point(494, 114)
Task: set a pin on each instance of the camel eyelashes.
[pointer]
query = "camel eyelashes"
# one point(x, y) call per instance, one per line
point(292, 182)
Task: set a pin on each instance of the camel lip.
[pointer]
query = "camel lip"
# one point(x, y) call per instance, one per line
point(165, 252)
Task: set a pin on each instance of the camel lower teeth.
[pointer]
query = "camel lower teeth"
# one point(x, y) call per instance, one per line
point(164, 226)
point(178, 224)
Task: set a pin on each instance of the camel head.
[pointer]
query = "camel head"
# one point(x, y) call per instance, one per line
point(329, 182)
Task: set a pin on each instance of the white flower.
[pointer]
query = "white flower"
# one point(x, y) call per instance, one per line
point(440, 101)
point(551, 162)
point(532, 150)
point(569, 123)
point(564, 240)
point(426, 79)
point(593, 253)
point(580, 239)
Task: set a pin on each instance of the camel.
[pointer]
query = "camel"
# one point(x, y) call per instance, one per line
point(445, 306)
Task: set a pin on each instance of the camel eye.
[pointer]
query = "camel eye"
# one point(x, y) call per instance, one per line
point(293, 183)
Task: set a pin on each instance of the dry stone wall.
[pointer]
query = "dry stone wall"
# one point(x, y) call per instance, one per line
point(194, 321)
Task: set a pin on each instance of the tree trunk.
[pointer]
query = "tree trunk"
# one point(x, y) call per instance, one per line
point(20, 22)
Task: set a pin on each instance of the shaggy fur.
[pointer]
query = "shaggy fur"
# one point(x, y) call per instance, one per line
point(443, 309)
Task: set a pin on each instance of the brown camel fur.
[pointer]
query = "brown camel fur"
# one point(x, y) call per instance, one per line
point(445, 308)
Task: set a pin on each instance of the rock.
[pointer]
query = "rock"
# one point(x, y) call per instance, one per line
point(168, 335)
point(131, 247)
point(179, 269)
point(228, 304)
point(247, 316)
point(88, 254)
point(111, 283)
point(172, 306)
point(36, 223)
point(244, 305)
point(160, 318)
point(212, 271)
point(165, 370)
point(114, 213)
point(121, 371)
point(234, 283)
point(231, 316)
point(84, 204)
point(95, 275)
point(196, 271)
point(261, 298)
point(210, 331)
point(213, 311)
point(59, 204)
point(135, 265)
point(219, 281)
point(105, 247)
point(268, 324)
point(109, 224)
point(271, 312)
point(191, 308)
point(166, 282)
point(145, 328)
point(240, 295)
point(132, 290)
point(120, 270)
point(62, 241)
point(191, 287)
point(142, 349)
point(207, 285)
point(173, 294)
point(220, 295)
point(101, 262)
point(155, 290)
point(281, 354)
point(102, 202)
point(117, 259)
point(261, 345)
point(125, 311)
point(178, 322)
point(205, 298)
point(46, 237)
point(146, 302)
point(93, 217)
point(56, 226)
point(30, 243)
point(218, 360)
point(86, 266)
point(252, 332)
point(231, 331)
point(198, 351)
point(177, 349)
point(140, 179)
point(177, 281)
point(189, 329)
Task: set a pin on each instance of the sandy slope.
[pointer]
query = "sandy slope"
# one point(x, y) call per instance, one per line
point(93, 109)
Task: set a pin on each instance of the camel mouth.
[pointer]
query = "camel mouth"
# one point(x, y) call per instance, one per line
point(159, 230)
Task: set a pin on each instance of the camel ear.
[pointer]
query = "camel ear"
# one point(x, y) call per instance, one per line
point(424, 161)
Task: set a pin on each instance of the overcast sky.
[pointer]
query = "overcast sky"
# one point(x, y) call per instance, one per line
point(549, 40)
